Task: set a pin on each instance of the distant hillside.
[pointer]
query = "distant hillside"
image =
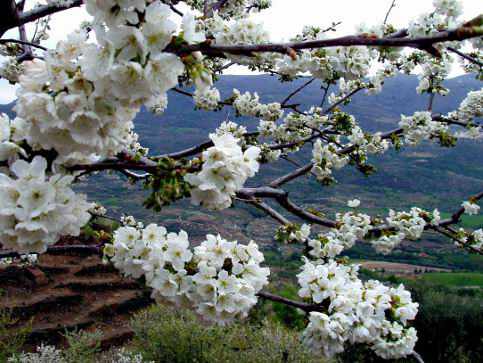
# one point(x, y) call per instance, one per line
point(428, 176)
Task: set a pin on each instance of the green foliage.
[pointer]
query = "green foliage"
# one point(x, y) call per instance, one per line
point(11, 339)
point(454, 279)
point(287, 315)
point(167, 185)
point(448, 324)
point(82, 346)
point(166, 335)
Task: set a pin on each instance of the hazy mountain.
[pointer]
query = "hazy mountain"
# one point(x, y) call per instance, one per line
point(428, 176)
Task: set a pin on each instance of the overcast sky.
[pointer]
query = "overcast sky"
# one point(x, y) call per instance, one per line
point(287, 17)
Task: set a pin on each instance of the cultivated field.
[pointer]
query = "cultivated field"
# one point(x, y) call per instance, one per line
point(399, 268)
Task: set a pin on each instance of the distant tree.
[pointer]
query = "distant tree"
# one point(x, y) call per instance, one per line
point(74, 117)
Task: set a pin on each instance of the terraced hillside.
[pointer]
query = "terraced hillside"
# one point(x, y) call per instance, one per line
point(71, 290)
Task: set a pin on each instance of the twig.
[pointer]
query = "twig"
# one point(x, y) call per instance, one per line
point(23, 42)
point(393, 4)
point(465, 56)
point(455, 218)
point(297, 91)
point(172, 7)
point(268, 210)
point(324, 97)
point(296, 304)
point(342, 100)
point(417, 357)
point(431, 101)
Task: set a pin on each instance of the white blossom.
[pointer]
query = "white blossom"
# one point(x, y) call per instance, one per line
point(471, 208)
point(36, 210)
point(223, 286)
point(420, 126)
point(225, 169)
point(354, 203)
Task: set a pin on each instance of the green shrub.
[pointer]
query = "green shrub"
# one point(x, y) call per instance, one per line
point(82, 346)
point(166, 335)
point(11, 339)
point(449, 325)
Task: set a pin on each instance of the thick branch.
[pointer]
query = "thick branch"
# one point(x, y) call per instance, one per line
point(423, 43)
point(45, 10)
point(281, 197)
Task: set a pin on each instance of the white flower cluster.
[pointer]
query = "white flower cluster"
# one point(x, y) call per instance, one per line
point(444, 16)
point(124, 356)
point(433, 73)
point(351, 226)
point(36, 210)
point(127, 220)
point(411, 223)
point(477, 240)
point(242, 31)
point(248, 104)
point(8, 149)
point(82, 99)
point(354, 203)
point(11, 69)
point(29, 259)
point(407, 225)
point(452, 8)
point(98, 210)
point(293, 233)
point(420, 126)
point(238, 8)
point(326, 158)
point(230, 127)
point(220, 279)
point(50, 354)
point(471, 107)
point(207, 98)
point(330, 64)
point(356, 312)
point(43, 354)
point(229, 277)
point(367, 143)
point(470, 207)
point(345, 88)
point(224, 171)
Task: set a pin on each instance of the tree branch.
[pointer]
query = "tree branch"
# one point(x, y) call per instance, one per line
point(465, 56)
point(456, 217)
point(45, 10)
point(23, 42)
point(463, 32)
point(296, 304)
point(297, 91)
point(393, 4)
point(268, 210)
point(281, 197)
